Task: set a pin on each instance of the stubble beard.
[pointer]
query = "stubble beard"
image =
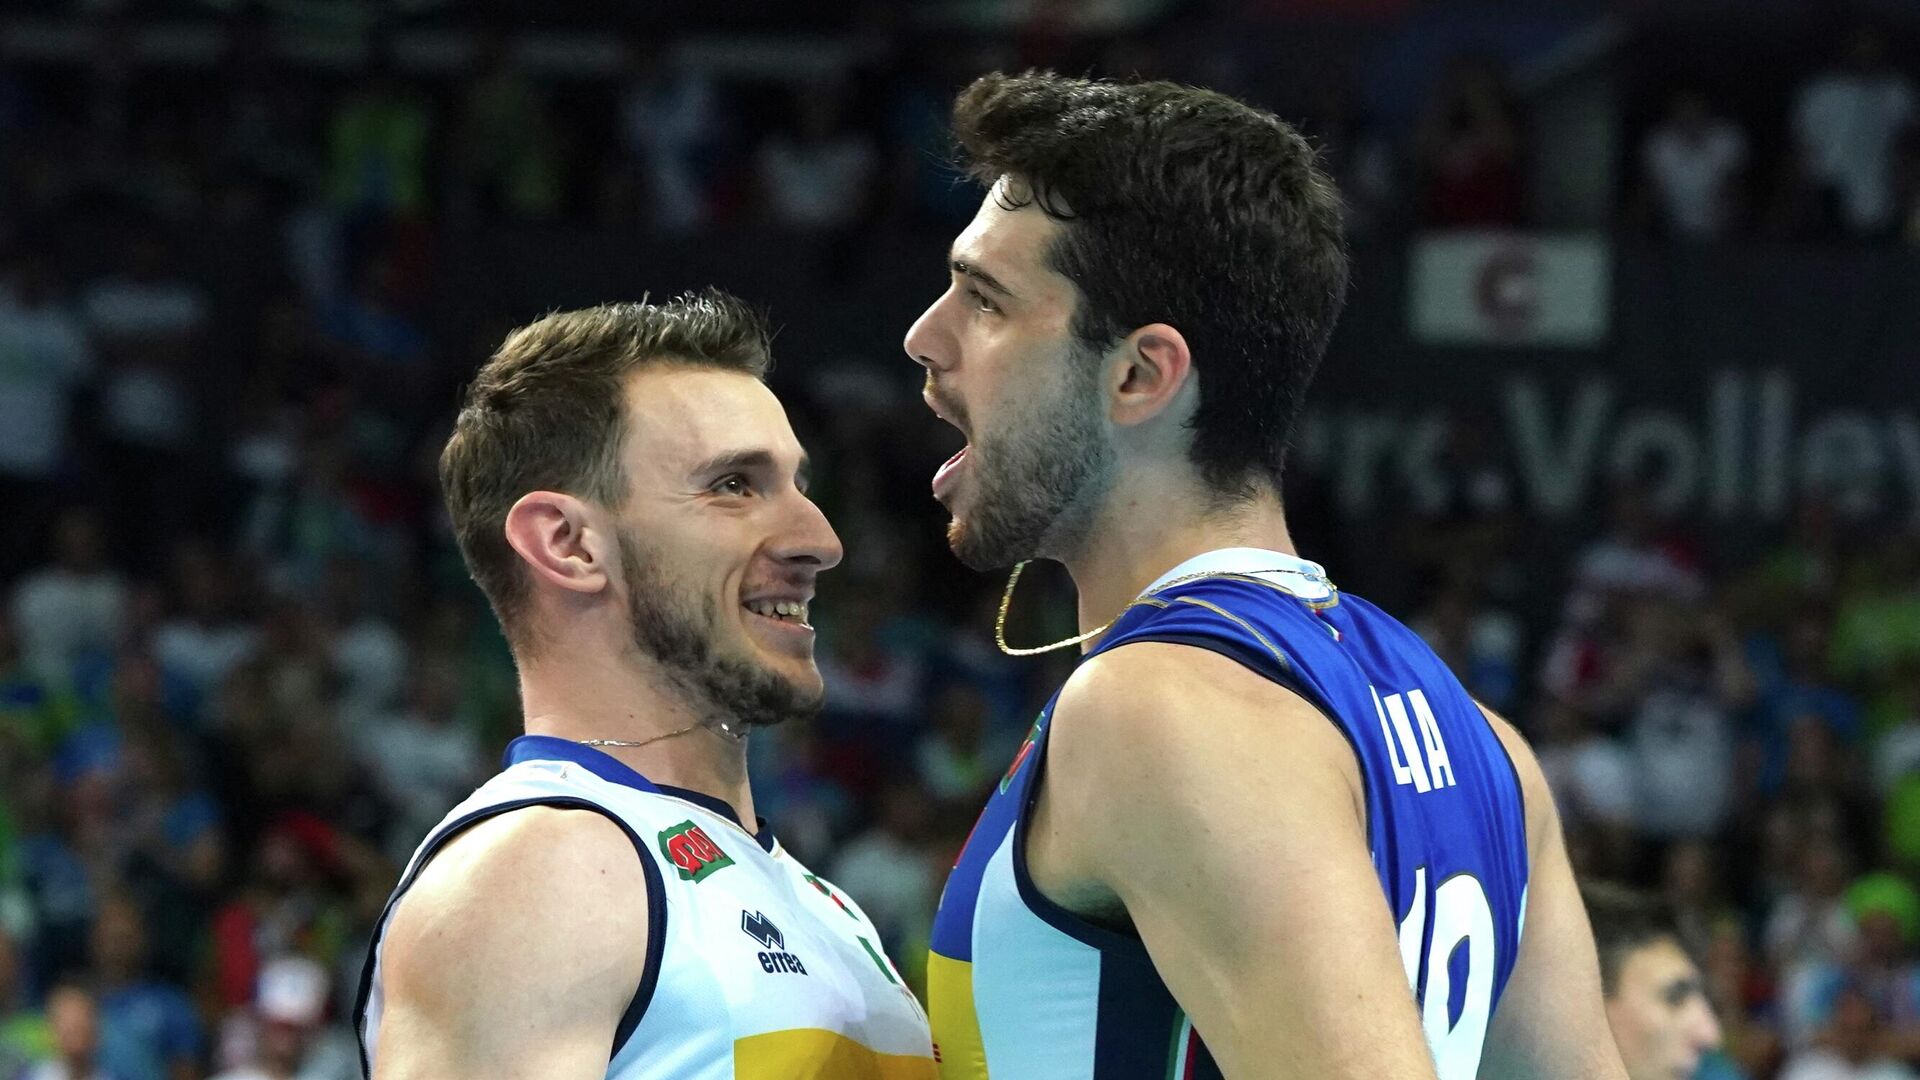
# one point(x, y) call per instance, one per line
point(680, 633)
point(1040, 481)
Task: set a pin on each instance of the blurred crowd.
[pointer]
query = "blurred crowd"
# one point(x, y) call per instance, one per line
point(242, 671)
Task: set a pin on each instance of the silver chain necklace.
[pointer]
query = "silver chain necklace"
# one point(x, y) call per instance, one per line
point(719, 726)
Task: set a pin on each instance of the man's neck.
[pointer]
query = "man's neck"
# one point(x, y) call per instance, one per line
point(590, 695)
point(1140, 538)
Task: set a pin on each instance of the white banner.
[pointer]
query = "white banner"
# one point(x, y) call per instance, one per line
point(1509, 288)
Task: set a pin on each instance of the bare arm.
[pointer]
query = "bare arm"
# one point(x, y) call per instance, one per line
point(1551, 1020)
point(1226, 814)
point(516, 952)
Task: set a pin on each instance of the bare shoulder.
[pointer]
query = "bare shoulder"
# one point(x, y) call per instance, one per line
point(1151, 722)
point(516, 895)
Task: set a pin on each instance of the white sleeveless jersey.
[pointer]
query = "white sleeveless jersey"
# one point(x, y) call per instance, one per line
point(756, 969)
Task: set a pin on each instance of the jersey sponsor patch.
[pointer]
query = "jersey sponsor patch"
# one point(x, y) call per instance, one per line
point(692, 852)
point(776, 959)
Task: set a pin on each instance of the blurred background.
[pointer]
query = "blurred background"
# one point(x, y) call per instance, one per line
point(1624, 416)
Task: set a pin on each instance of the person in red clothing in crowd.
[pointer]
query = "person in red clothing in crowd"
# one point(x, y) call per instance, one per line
point(296, 900)
point(1469, 150)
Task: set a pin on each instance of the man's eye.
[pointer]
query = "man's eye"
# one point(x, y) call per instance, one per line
point(980, 301)
point(733, 485)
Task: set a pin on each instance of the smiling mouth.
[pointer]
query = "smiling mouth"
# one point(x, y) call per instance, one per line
point(790, 612)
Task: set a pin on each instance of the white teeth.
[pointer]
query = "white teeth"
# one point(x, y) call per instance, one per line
point(795, 610)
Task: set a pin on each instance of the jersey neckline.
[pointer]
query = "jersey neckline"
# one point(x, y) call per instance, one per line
point(1304, 579)
point(614, 771)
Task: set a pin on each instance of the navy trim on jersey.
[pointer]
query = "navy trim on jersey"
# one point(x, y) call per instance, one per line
point(1067, 922)
point(614, 771)
point(656, 913)
point(762, 835)
point(552, 748)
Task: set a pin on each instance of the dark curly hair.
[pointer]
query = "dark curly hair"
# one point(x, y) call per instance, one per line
point(1186, 207)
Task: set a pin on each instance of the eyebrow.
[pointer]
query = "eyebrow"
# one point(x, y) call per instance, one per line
point(967, 269)
point(754, 461)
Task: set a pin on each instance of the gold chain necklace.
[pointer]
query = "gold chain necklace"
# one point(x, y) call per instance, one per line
point(1006, 603)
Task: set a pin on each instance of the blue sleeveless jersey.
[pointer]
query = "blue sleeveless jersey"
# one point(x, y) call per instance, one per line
point(1021, 989)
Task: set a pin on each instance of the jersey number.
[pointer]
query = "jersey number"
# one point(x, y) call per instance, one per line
point(1462, 919)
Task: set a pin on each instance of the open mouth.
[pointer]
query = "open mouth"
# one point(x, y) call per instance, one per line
point(948, 474)
point(790, 612)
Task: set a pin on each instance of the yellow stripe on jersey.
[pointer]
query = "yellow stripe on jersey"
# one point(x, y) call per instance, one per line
point(818, 1054)
point(956, 1027)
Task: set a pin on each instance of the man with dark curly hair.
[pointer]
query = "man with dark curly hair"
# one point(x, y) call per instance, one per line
point(1260, 812)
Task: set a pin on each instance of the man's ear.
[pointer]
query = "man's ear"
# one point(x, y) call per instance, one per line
point(554, 534)
point(1154, 367)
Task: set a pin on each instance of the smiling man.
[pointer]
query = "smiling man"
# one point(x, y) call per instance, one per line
point(1262, 831)
point(632, 500)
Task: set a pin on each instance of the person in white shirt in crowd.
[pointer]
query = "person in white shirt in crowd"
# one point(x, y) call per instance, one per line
point(44, 358)
point(424, 756)
point(205, 637)
point(72, 606)
point(1850, 1049)
point(1693, 162)
point(818, 175)
point(146, 318)
point(1849, 124)
point(286, 1035)
point(889, 870)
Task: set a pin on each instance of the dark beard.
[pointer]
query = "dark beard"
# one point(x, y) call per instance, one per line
point(681, 634)
point(1038, 482)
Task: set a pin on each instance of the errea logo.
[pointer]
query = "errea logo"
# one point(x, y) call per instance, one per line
point(692, 852)
point(776, 959)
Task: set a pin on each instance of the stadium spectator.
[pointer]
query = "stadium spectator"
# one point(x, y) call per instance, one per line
point(1884, 969)
point(1679, 681)
point(74, 606)
point(1656, 998)
point(1809, 924)
point(425, 756)
point(205, 636)
point(887, 867)
point(1848, 127)
point(74, 1017)
point(379, 141)
point(285, 1035)
point(1692, 161)
point(1469, 149)
point(1479, 641)
point(154, 1031)
point(1592, 779)
point(45, 358)
point(956, 761)
point(1851, 1048)
point(670, 128)
point(818, 175)
point(794, 784)
point(506, 159)
point(25, 1034)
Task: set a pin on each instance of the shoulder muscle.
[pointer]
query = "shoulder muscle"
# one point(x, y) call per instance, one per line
point(516, 951)
point(1224, 812)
